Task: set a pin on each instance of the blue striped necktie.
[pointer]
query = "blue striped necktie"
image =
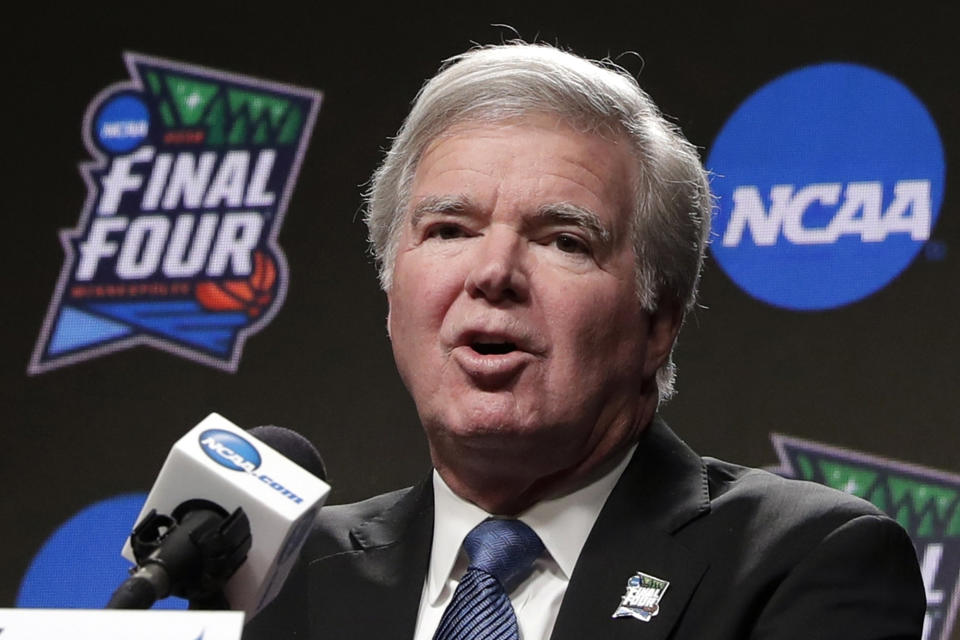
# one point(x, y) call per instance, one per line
point(501, 555)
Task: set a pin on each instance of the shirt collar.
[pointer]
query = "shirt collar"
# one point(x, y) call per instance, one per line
point(563, 523)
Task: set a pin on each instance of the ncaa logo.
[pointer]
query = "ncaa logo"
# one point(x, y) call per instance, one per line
point(829, 180)
point(229, 450)
point(122, 123)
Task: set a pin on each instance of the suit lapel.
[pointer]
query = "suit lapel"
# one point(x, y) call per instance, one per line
point(663, 488)
point(374, 590)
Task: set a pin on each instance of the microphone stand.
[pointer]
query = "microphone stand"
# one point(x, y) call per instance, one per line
point(191, 554)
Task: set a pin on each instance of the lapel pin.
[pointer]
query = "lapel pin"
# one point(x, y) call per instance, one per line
point(642, 598)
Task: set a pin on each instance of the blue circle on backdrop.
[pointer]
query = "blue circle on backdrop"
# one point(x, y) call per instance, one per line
point(829, 180)
point(122, 123)
point(80, 566)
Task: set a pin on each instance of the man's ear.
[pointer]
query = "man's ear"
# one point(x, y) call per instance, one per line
point(662, 329)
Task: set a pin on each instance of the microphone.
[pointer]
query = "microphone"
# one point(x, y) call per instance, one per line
point(293, 446)
point(240, 506)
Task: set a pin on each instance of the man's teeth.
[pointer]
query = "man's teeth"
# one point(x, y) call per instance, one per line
point(492, 348)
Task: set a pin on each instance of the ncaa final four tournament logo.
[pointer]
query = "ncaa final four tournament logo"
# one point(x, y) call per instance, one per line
point(642, 597)
point(924, 501)
point(176, 246)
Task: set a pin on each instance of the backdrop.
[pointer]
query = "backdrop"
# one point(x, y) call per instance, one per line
point(825, 344)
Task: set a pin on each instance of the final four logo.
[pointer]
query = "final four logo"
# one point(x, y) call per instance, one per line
point(176, 246)
point(925, 502)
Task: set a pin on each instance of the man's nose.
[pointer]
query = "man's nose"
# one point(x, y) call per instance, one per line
point(499, 270)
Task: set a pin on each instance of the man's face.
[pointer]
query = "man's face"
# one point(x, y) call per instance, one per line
point(513, 311)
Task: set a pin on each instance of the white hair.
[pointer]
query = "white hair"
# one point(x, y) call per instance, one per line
point(671, 221)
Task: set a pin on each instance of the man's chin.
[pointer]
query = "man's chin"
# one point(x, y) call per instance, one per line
point(486, 434)
point(497, 442)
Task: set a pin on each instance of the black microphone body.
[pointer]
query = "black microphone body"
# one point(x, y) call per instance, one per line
point(190, 554)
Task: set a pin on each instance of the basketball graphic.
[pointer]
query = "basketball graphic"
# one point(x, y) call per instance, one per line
point(251, 295)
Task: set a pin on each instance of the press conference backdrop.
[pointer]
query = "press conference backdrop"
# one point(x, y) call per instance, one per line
point(182, 235)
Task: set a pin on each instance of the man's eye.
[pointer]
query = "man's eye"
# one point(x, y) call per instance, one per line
point(571, 244)
point(445, 232)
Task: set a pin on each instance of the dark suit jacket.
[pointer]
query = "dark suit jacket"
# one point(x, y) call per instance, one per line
point(747, 555)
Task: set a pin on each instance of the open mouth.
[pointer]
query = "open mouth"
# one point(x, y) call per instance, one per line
point(493, 348)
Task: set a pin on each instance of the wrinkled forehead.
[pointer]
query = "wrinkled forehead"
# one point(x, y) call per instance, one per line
point(605, 150)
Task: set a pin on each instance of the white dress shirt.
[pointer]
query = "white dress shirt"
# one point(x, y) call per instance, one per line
point(563, 524)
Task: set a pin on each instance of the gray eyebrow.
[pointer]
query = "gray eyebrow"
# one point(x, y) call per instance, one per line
point(568, 213)
point(553, 213)
point(439, 204)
